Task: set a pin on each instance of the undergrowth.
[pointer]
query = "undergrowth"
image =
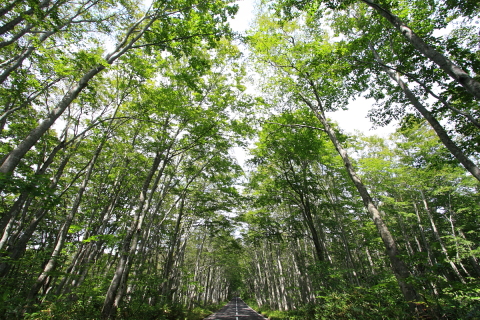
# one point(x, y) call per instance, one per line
point(380, 302)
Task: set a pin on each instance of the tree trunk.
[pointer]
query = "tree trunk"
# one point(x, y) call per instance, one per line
point(12, 160)
point(25, 198)
point(431, 258)
point(400, 269)
point(129, 246)
point(472, 257)
point(78, 264)
point(439, 239)
point(440, 131)
point(313, 231)
point(14, 157)
point(62, 234)
point(10, 25)
point(19, 245)
point(167, 269)
point(281, 281)
point(454, 71)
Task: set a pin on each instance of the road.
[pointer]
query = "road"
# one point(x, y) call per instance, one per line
point(235, 310)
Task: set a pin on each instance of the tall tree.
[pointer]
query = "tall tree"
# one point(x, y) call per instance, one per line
point(314, 73)
point(160, 27)
point(363, 29)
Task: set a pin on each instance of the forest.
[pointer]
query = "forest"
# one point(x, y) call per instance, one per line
point(155, 163)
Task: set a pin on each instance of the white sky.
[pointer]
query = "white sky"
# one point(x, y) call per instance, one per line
point(351, 120)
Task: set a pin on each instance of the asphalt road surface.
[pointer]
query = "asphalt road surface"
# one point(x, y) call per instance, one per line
point(236, 310)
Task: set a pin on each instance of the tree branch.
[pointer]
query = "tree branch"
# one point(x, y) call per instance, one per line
point(430, 92)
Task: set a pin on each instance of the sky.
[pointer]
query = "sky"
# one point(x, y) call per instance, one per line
point(350, 121)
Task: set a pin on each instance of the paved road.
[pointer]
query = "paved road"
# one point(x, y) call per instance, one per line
point(236, 310)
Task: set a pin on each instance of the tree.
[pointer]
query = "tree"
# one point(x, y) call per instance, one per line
point(192, 22)
point(363, 30)
point(417, 181)
point(383, 9)
point(314, 73)
point(167, 109)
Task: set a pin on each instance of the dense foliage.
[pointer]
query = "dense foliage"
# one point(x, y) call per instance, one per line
point(120, 194)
